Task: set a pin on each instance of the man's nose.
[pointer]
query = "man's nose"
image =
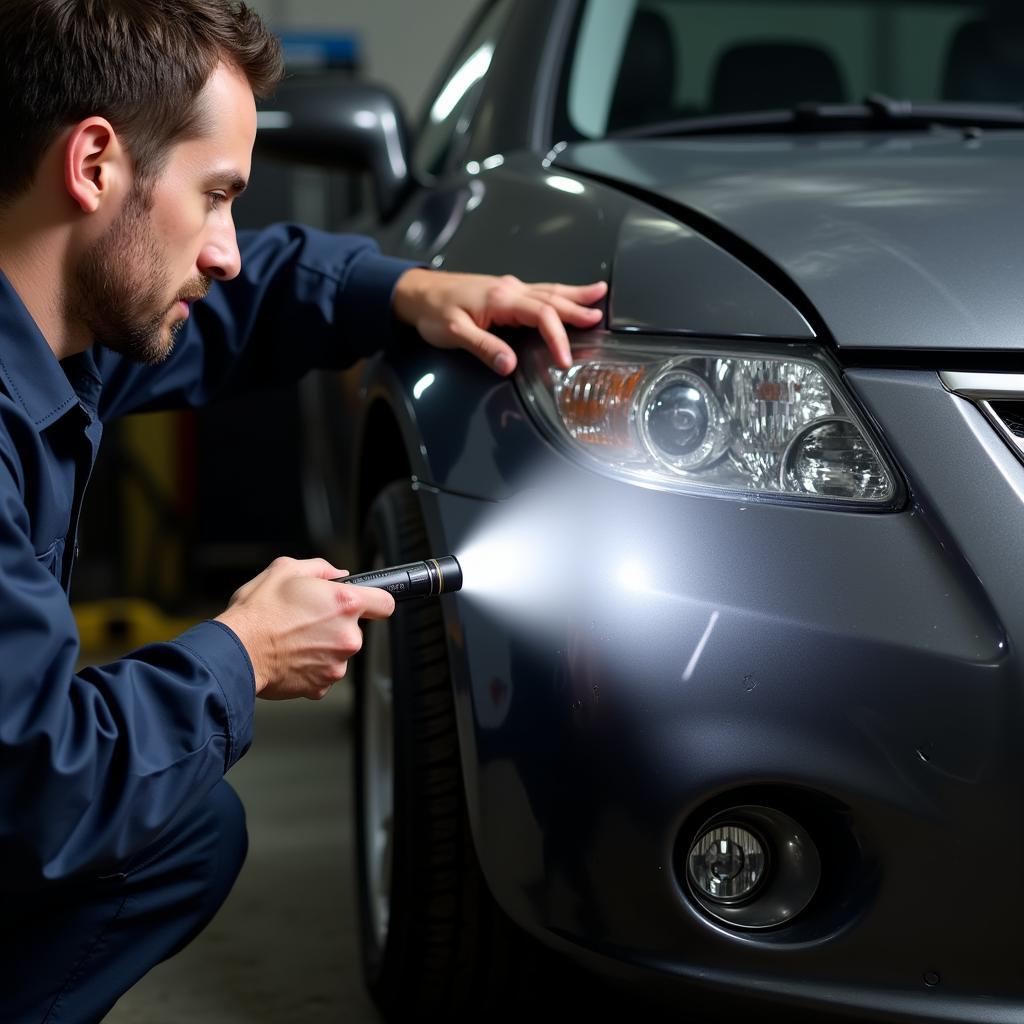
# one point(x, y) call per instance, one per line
point(219, 258)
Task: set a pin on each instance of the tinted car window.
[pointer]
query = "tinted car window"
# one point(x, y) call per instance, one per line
point(447, 119)
point(639, 62)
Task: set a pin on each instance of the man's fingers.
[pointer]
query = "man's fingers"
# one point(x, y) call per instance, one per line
point(571, 312)
point(323, 570)
point(574, 304)
point(316, 568)
point(553, 332)
point(488, 348)
point(378, 604)
point(583, 294)
point(548, 307)
point(524, 309)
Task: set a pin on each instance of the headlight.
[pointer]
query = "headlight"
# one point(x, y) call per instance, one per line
point(768, 421)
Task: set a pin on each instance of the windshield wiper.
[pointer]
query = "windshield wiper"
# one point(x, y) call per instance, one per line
point(876, 113)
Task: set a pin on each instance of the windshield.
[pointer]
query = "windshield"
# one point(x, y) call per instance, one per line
point(646, 62)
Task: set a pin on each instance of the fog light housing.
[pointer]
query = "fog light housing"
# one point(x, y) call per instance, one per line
point(727, 864)
point(750, 867)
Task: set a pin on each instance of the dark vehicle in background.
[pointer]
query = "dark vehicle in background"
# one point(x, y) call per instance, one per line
point(775, 763)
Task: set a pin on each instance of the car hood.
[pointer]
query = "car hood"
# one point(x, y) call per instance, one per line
point(896, 241)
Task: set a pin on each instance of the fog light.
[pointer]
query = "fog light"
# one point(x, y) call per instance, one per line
point(727, 863)
point(749, 867)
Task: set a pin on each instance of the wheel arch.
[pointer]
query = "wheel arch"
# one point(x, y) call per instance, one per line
point(386, 451)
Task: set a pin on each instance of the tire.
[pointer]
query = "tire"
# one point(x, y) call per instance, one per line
point(443, 945)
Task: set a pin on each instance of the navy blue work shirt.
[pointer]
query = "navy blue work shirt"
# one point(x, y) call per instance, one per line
point(94, 765)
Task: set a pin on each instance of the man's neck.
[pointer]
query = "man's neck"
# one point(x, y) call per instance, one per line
point(34, 259)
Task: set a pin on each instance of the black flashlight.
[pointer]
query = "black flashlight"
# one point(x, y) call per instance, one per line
point(429, 578)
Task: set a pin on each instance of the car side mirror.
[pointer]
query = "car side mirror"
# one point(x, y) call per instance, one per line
point(340, 123)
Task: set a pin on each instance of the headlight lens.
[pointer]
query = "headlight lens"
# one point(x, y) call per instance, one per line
point(682, 423)
point(770, 422)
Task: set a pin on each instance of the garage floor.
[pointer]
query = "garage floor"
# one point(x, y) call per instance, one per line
point(282, 947)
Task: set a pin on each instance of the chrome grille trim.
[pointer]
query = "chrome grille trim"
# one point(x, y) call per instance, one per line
point(985, 388)
point(984, 385)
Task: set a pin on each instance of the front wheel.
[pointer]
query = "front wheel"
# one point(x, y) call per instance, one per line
point(433, 939)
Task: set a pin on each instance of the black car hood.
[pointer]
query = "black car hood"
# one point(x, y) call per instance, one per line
point(897, 241)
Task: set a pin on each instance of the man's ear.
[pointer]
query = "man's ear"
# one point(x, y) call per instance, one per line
point(95, 164)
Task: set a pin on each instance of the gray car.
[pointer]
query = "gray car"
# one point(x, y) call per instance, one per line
point(730, 708)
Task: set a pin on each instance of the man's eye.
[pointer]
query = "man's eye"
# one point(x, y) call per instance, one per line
point(216, 199)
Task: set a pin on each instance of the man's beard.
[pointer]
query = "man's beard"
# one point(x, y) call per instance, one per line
point(120, 288)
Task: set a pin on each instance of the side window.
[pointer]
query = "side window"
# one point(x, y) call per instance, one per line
point(446, 121)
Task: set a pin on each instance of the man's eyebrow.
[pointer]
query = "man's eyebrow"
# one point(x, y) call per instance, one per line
point(234, 183)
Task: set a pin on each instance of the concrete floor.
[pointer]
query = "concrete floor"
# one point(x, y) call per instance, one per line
point(283, 947)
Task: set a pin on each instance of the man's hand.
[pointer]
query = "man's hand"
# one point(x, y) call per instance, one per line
point(456, 310)
point(299, 628)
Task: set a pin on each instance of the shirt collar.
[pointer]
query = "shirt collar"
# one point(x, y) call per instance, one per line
point(28, 367)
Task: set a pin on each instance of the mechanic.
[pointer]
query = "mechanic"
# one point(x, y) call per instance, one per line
point(130, 129)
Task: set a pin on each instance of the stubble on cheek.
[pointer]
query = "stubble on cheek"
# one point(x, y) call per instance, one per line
point(121, 287)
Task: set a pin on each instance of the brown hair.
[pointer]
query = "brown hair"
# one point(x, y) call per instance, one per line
point(139, 63)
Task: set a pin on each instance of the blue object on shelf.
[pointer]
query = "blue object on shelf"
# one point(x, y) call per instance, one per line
point(319, 50)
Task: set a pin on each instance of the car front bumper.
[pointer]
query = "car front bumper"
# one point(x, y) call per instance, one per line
point(860, 672)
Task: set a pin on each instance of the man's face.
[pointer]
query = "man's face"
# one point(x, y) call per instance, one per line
point(134, 285)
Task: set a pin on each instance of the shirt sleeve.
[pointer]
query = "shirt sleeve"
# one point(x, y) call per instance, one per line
point(95, 764)
point(304, 299)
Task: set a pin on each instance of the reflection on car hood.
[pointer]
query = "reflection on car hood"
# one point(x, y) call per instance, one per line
point(897, 240)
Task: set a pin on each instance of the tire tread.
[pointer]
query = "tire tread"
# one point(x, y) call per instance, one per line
point(450, 949)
